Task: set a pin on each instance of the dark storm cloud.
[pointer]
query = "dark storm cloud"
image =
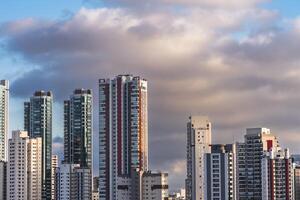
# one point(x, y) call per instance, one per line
point(194, 66)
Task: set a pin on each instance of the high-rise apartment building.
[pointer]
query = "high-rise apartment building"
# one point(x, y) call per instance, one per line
point(3, 180)
point(198, 144)
point(38, 123)
point(24, 167)
point(277, 175)
point(123, 131)
point(78, 128)
point(73, 182)
point(4, 98)
point(249, 154)
point(34, 168)
point(220, 172)
point(17, 187)
point(53, 176)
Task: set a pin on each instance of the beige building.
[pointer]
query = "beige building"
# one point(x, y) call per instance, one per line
point(34, 168)
point(25, 167)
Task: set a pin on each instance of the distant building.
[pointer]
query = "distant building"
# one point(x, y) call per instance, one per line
point(123, 131)
point(198, 144)
point(143, 186)
point(277, 175)
point(249, 154)
point(95, 195)
point(4, 119)
point(3, 179)
point(155, 186)
point(180, 195)
point(53, 176)
point(25, 167)
point(297, 181)
point(220, 172)
point(96, 184)
point(73, 182)
point(38, 123)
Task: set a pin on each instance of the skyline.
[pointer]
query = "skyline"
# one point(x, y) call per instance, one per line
point(239, 66)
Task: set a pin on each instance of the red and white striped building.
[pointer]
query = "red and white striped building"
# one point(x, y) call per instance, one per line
point(277, 175)
point(123, 131)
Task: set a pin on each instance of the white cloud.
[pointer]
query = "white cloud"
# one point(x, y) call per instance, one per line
point(192, 58)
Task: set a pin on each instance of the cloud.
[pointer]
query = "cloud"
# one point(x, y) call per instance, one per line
point(236, 65)
point(207, 4)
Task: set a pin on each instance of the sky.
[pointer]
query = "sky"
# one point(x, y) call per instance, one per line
point(236, 61)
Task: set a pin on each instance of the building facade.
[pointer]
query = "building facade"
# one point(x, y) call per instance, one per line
point(34, 168)
point(155, 185)
point(297, 181)
point(78, 128)
point(277, 175)
point(123, 131)
point(3, 180)
point(4, 98)
point(53, 176)
point(220, 172)
point(143, 186)
point(198, 144)
point(38, 123)
point(73, 182)
point(24, 167)
point(249, 154)
point(17, 187)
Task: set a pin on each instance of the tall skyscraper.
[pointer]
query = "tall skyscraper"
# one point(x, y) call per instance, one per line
point(198, 144)
point(220, 172)
point(4, 98)
point(78, 128)
point(25, 167)
point(249, 154)
point(277, 175)
point(123, 130)
point(38, 123)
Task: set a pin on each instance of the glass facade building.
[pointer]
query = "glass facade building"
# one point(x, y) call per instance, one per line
point(38, 123)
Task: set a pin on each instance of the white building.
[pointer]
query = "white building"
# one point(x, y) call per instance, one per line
point(277, 175)
point(34, 168)
point(73, 182)
point(198, 144)
point(4, 98)
point(53, 176)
